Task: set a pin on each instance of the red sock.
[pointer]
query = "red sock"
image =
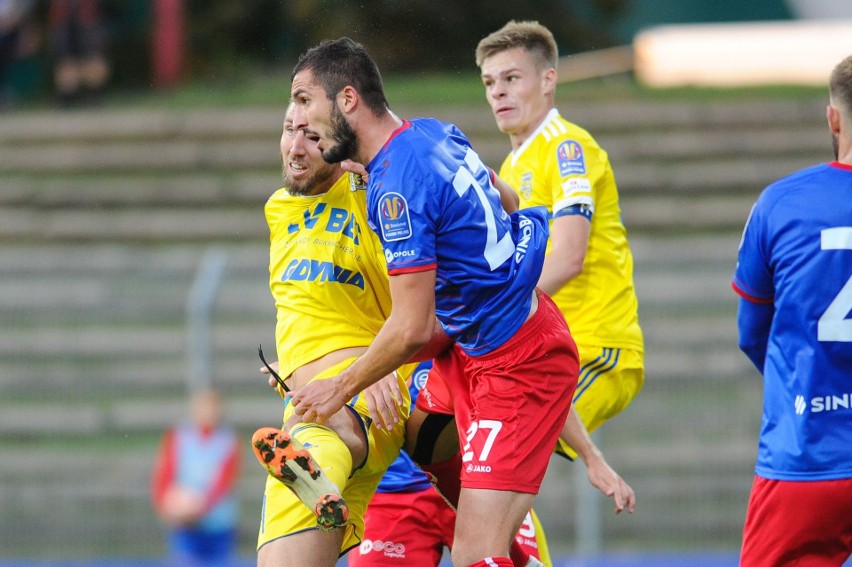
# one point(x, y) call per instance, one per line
point(520, 558)
point(446, 478)
point(493, 562)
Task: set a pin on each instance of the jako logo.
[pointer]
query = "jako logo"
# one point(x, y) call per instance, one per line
point(478, 468)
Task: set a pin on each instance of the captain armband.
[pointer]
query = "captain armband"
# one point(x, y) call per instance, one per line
point(581, 209)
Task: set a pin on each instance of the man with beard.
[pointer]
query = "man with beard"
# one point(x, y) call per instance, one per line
point(330, 286)
point(794, 278)
point(452, 251)
point(311, 188)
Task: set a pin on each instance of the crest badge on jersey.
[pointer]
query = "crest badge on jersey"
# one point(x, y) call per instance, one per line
point(419, 378)
point(526, 184)
point(393, 214)
point(571, 158)
point(356, 182)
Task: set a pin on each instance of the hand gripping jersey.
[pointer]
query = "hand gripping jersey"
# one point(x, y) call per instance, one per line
point(561, 167)
point(327, 273)
point(432, 202)
point(796, 253)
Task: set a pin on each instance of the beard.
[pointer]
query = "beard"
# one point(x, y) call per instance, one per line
point(344, 138)
point(307, 185)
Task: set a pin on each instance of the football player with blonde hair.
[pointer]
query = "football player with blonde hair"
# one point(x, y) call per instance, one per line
point(588, 269)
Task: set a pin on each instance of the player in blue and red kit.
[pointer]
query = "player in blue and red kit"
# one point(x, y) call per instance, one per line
point(409, 523)
point(452, 251)
point(794, 276)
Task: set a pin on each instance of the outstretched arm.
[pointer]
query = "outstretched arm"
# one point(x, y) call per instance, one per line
point(601, 475)
point(409, 327)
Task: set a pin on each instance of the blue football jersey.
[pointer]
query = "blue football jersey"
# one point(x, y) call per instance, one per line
point(403, 475)
point(796, 253)
point(432, 203)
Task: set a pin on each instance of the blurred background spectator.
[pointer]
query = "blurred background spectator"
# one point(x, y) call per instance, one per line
point(136, 44)
point(193, 482)
point(14, 18)
point(79, 43)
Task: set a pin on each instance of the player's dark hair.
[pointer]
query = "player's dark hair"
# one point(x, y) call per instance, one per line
point(840, 84)
point(337, 63)
point(528, 35)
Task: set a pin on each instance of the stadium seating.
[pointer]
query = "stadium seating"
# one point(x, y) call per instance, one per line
point(105, 215)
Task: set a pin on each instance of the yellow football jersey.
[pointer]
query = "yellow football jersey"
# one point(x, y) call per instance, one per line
point(327, 273)
point(560, 165)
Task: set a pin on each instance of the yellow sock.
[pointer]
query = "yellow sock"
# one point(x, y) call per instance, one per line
point(327, 449)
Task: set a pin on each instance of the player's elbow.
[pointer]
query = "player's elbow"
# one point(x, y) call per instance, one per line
point(569, 269)
point(755, 350)
point(572, 268)
point(415, 339)
point(438, 342)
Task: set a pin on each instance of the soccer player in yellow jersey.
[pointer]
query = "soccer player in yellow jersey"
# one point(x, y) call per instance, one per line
point(329, 281)
point(589, 267)
point(328, 278)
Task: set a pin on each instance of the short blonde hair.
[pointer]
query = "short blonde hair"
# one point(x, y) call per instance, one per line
point(840, 85)
point(528, 35)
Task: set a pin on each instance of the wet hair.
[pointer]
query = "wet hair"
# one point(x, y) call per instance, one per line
point(528, 35)
point(337, 63)
point(840, 85)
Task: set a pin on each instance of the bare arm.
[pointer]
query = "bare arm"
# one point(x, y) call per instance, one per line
point(409, 327)
point(508, 196)
point(601, 475)
point(569, 238)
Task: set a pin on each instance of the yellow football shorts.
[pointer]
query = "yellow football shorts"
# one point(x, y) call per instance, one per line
point(283, 514)
point(609, 379)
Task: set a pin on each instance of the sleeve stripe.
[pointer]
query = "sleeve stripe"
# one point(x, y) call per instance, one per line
point(747, 296)
point(413, 269)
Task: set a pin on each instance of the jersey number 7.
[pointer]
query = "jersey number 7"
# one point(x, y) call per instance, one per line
point(496, 251)
point(833, 325)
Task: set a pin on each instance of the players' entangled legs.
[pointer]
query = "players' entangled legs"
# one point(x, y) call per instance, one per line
point(287, 460)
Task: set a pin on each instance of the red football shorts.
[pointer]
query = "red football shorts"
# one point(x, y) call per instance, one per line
point(510, 404)
point(798, 523)
point(405, 528)
point(413, 528)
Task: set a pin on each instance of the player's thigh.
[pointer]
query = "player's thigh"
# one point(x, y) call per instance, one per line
point(431, 434)
point(431, 437)
point(798, 523)
point(609, 380)
point(486, 523)
point(284, 517)
point(309, 548)
point(403, 529)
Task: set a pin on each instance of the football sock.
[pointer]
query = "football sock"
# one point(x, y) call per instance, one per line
point(520, 558)
point(327, 449)
point(493, 562)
